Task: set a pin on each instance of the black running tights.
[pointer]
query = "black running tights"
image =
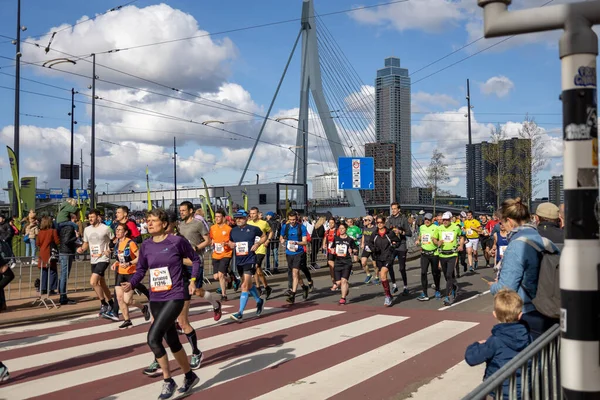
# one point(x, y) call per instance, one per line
point(165, 314)
point(426, 261)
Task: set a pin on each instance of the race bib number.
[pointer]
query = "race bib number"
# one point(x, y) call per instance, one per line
point(341, 250)
point(95, 251)
point(502, 250)
point(256, 239)
point(160, 280)
point(292, 247)
point(367, 248)
point(219, 248)
point(426, 238)
point(469, 231)
point(241, 249)
point(122, 259)
point(448, 237)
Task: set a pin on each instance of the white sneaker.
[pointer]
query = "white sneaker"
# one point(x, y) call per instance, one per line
point(388, 301)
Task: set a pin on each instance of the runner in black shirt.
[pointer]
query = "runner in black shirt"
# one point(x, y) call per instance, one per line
point(345, 249)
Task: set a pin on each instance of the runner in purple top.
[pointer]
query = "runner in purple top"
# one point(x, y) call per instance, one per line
point(163, 256)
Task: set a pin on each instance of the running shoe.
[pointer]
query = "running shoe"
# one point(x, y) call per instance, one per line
point(110, 314)
point(423, 297)
point(268, 291)
point(405, 292)
point(259, 307)
point(471, 269)
point(305, 292)
point(311, 287)
point(103, 310)
point(288, 292)
point(218, 312)
point(342, 301)
point(438, 295)
point(196, 360)
point(454, 290)
point(4, 375)
point(236, 285)
point(146, 312)
point(188, 385)
point(394, 289)
point(179, 328)
point(368, 279)
point(223, 298)
point(447, 301)
point(153, 369)
point(125, 324)
point(236, 317)
point(291, 298)
point(376, 281)
point(168, 390)
point(219, 291)
point(388, 301)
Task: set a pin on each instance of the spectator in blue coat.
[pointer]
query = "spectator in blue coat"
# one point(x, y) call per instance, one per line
point(521, 263)
point(508, 338)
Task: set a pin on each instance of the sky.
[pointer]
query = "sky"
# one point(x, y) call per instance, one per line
point(229, 72)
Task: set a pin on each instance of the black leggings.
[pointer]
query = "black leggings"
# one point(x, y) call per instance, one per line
point(401, 254)
point(448, 265)
point(165, 314)
point(425, 262)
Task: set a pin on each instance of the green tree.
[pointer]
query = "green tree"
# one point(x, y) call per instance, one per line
point(437, 174)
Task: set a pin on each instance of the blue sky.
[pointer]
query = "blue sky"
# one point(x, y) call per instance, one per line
point(242, 69)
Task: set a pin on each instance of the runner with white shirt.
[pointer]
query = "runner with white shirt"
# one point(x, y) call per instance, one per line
point(96, 239)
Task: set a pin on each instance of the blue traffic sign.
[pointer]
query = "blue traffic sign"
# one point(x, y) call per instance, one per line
point(83, 194)
point(56, 193)
point(41, 196)
point(356, 173)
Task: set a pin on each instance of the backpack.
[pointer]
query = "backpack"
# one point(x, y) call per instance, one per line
point(299, 227)
point(547, 298)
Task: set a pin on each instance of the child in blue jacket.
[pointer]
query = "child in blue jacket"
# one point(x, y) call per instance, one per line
point(508, 338)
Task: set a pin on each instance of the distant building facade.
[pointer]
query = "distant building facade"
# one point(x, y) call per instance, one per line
point(556, 194)
point(326, 187)
point(384, 155)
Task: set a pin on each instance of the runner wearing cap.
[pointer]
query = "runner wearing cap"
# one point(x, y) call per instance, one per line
point(472, 230)
point(450, 243)
point(368, 231)
point(243, 240)
point(428, 240)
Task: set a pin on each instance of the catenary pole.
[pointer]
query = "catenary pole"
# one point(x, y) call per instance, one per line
point(579, 268)
point(17, 122)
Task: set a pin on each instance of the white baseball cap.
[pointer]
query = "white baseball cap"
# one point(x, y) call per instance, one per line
point(447, 215)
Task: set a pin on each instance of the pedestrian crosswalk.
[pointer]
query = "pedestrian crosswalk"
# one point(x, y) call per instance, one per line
point(307, 351)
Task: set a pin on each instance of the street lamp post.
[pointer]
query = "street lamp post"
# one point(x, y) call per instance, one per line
point(175, 169)
point(93, 155)
point(73, 122)
point(15, 206)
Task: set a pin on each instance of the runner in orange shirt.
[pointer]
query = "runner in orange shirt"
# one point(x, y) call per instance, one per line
point(222, 253)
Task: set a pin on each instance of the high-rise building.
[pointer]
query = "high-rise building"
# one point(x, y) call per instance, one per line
point(419, 195)
point(326, 187)
point(384, 155)
point(556, 192)
point(510, 157)
point(392, 119)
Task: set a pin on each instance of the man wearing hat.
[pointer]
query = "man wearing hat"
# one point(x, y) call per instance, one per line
point(429, 255)
point(243, 241)
point(547, 216)
point(450, 243)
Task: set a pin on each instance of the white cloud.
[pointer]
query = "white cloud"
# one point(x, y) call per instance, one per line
point(499, 86)
point(200, 64)
point(432, 16)
point(420, 101)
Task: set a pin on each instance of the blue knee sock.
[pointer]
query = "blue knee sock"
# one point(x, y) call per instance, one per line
point(243, 301)
point(255, 294)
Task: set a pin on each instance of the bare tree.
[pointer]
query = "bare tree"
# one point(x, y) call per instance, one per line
point(497, 161)
point(532, 156)
point(437, 174)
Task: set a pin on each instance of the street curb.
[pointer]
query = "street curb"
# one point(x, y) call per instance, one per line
point(281, 277)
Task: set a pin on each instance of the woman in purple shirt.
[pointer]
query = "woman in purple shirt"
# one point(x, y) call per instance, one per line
point(163, 256)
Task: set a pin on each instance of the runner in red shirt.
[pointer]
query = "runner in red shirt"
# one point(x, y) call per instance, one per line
point(328, 240)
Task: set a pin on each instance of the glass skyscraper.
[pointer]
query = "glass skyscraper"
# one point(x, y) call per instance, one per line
point(392, 119)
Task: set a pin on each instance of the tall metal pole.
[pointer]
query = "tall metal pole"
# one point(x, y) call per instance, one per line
point(81, 169)
point(470, 161)
point(580, 271)
point(71, 188)
point(93, 155)
point(15, 206)
point(175, 168)
point(305, 168)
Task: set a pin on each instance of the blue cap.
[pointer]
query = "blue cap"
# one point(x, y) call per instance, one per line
point(270, 214)
point(240, 214)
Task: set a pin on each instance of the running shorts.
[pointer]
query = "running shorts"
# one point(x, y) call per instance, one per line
point(99, 268)
point(221, 265)
point(246, 269)
point(330, 257)
point(294, 261)
point(259, 259)
point(383, 264)
point(122, 278)
point(366, 254)
point(473, 243)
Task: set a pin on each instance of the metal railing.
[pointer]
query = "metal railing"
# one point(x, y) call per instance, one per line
point(539, 369)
